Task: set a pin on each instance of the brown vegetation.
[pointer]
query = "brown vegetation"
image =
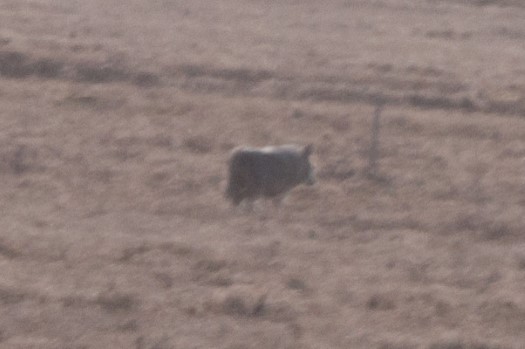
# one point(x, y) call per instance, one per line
point(117, 122)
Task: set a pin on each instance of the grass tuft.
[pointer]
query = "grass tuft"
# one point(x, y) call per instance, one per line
point(93, 73)
point(198, 144)
point(380, 302)
point(115, 302)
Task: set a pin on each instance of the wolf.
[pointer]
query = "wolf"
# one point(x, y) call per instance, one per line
point(268, 172)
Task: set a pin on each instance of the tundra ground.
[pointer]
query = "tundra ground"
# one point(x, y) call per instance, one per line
point(116, 123)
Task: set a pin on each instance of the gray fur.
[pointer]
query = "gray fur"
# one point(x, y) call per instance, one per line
point(268, 172)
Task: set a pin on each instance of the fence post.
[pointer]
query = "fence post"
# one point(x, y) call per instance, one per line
point(373, 153)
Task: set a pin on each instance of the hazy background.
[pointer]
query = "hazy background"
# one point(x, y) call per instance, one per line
point(116, 123)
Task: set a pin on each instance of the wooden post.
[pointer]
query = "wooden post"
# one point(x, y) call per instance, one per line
point(373, 153)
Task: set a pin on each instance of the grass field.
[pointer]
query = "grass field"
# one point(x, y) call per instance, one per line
point(116, 123)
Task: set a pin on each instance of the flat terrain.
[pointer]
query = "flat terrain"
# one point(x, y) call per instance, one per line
point(116, 123)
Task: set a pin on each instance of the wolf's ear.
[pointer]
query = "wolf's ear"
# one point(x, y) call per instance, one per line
point(308, 150)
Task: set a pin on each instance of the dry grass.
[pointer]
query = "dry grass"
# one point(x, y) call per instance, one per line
point(117, 123)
